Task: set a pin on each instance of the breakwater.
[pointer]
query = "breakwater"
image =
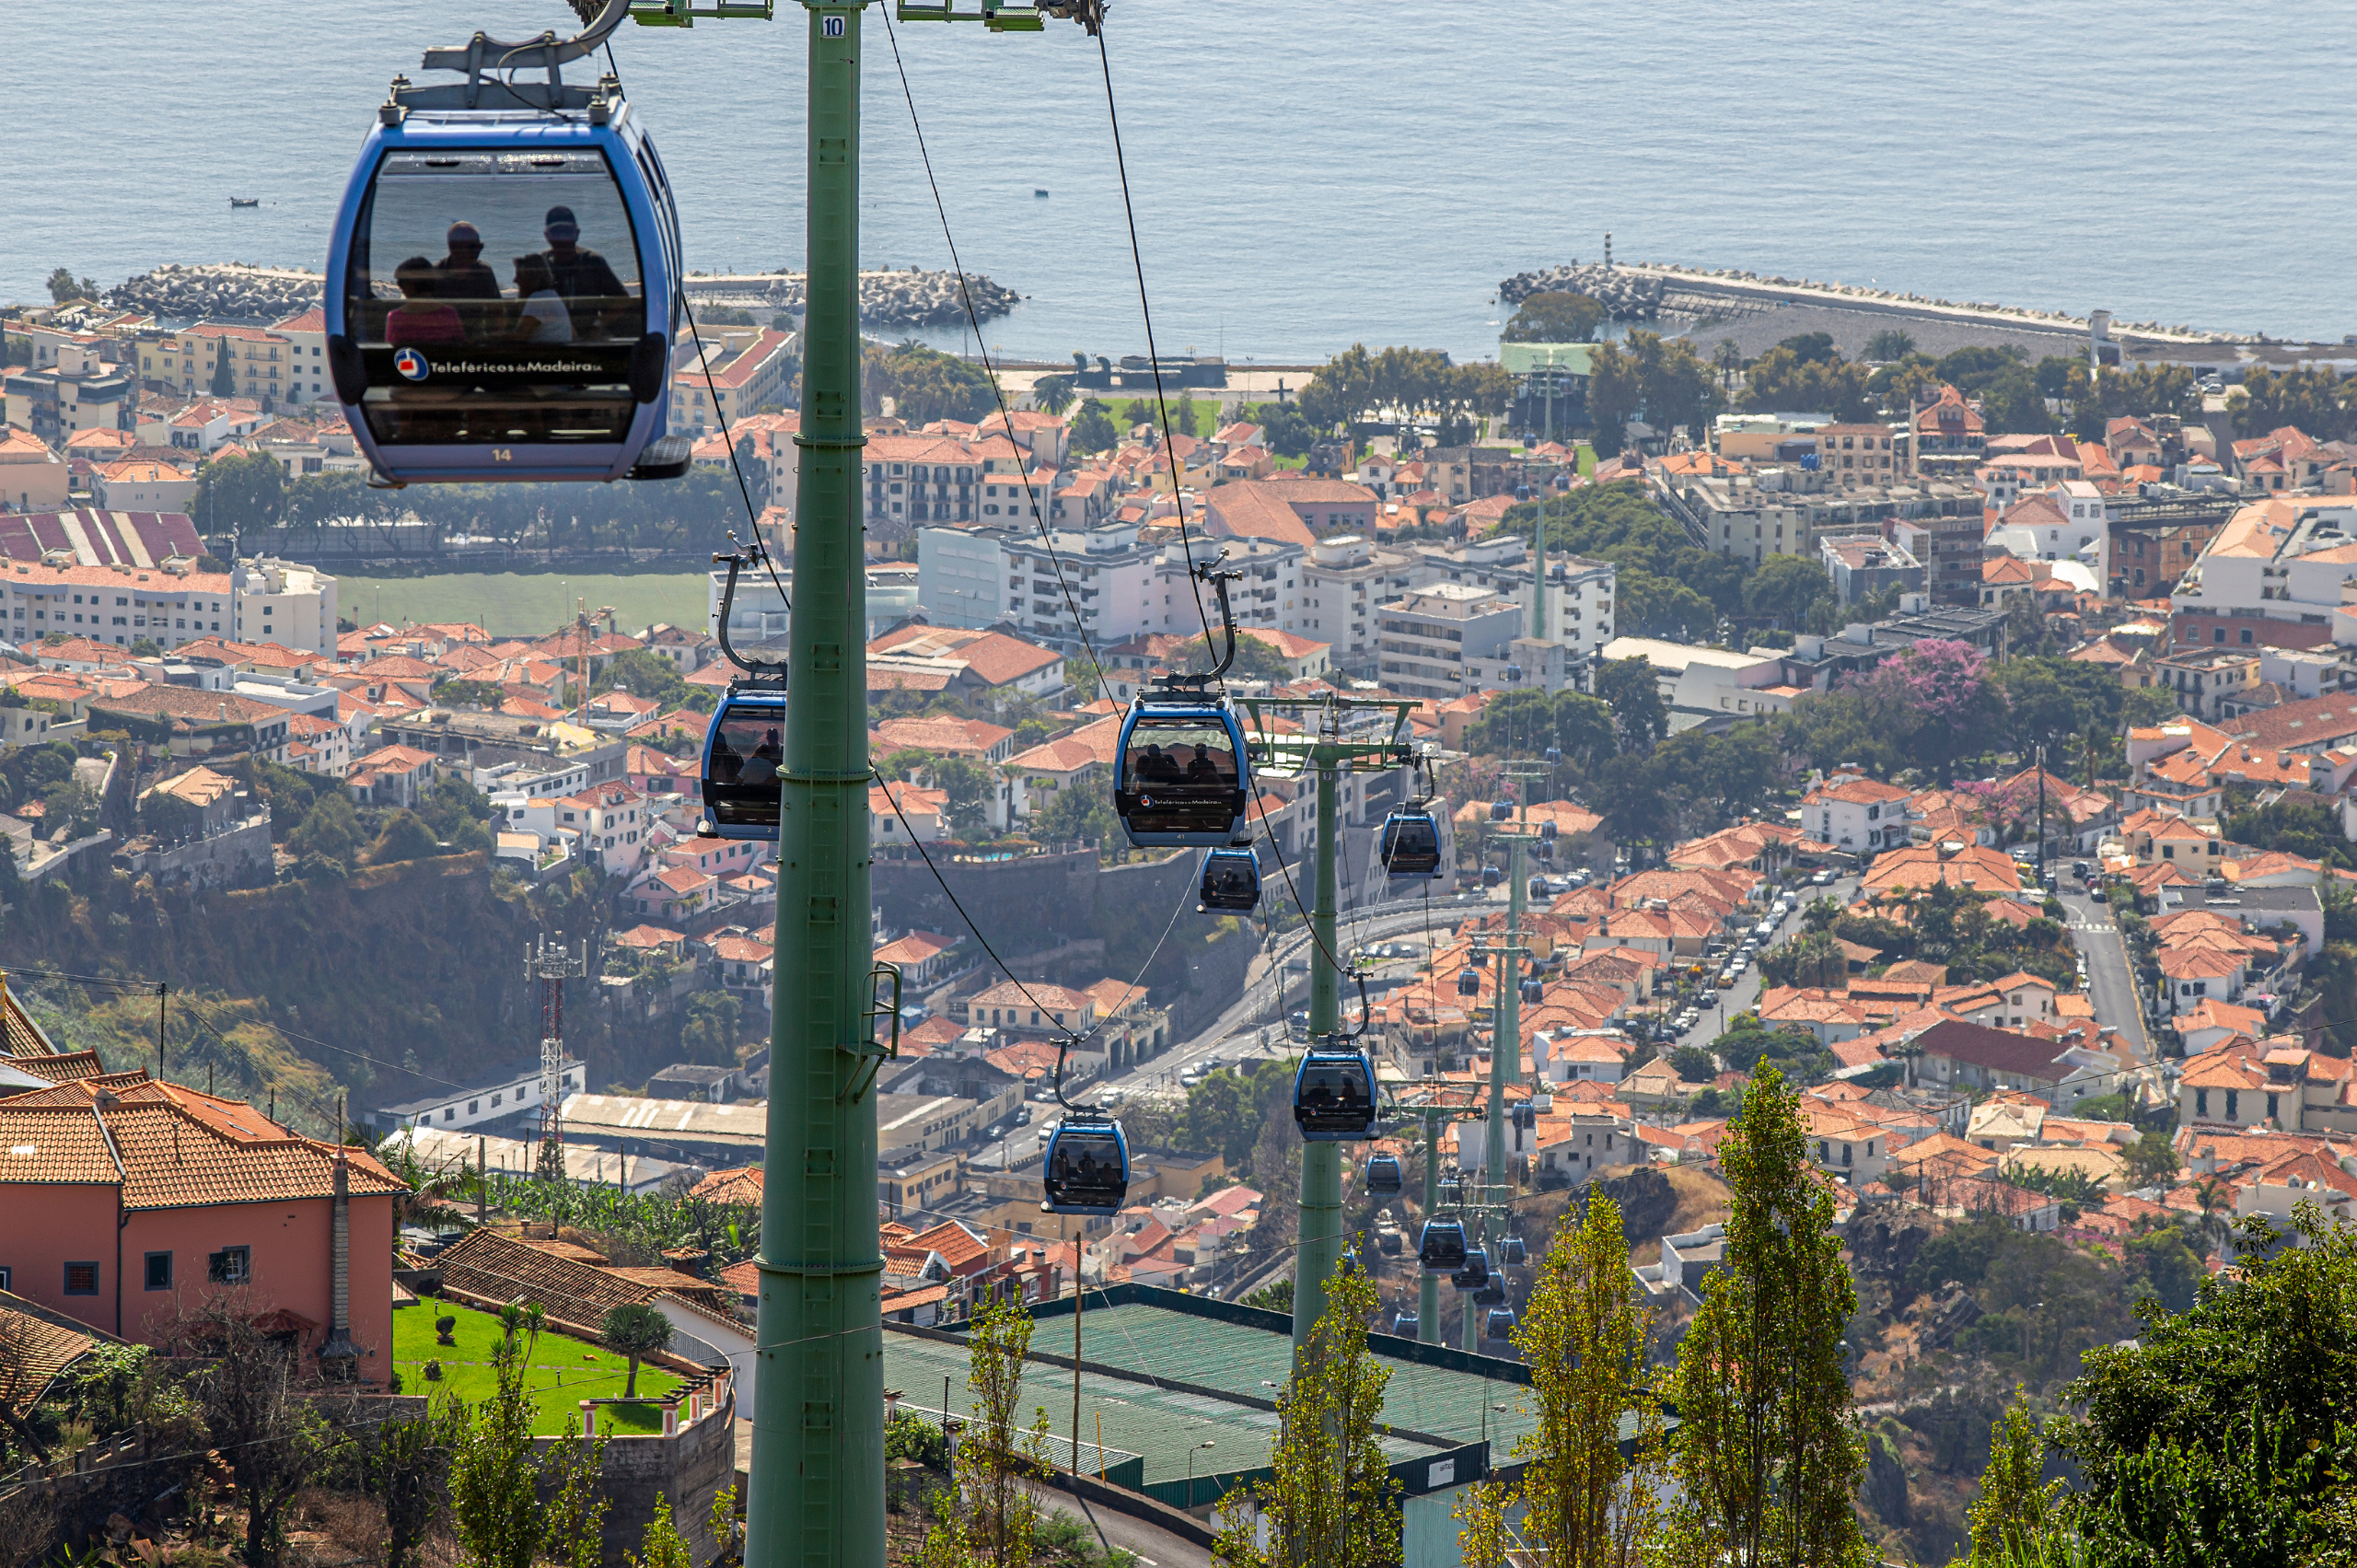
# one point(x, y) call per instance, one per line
point(911, 298)
point(244, 294)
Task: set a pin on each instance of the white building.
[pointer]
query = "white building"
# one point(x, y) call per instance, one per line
point(2278, 566)
point(504, 1094)
point(1115, 582)
point(1707, 682)
point(961, 576)
point(275, 601)
point(1855, 814)
point(1343, 578)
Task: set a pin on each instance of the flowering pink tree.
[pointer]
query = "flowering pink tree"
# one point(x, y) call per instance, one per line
point(1937, 695)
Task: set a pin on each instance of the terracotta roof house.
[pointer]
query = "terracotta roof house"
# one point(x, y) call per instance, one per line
point(130, 1200)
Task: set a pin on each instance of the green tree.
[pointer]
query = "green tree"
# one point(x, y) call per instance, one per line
point(63, 287)
point(331, 829)
point(1811, 348)
point(708, 1033)
point(1092, 428)
point(1633, 691)
point(2014, 1512)
point(1588, 1505)
point(1224, 1112)
point(1077, 816)
point(495, 1475)
point(1329, 1501)
point(239, 495)
point(661, 1545)
point(1890, 343)
point(991, 1517)
point(2011, 405)
point(1487, 1541)
point(1782, 378)
point(2150, 1160)
point(1665, 382)
point(926, 385)
point(643, 672)
point(637, 1330)
point(1786, 586)
point(408, 1469)
point(1766, 1460)
point(405, 836)
point(1555, 317)
point(969, 788)
point(1287, 433)
point(460, 694)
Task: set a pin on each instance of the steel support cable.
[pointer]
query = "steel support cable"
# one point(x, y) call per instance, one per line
point(990, 371)
point(971, 926)
point(752, 514)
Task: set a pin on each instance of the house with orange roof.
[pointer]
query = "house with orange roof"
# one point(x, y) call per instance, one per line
point(922, 956)
point(1972, 866)
point(1950, 437)
point(901, 813)
point(196, 1196)
point(1855, 814)
point(2277, 1082)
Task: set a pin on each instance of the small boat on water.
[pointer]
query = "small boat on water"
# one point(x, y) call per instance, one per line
point(245, 201)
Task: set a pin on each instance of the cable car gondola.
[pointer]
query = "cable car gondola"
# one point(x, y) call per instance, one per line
point(744, 742)
point(1087, 1168)
point(1441, 1248)
point(1500, 810)
point(1333, 1096)
point(1410, 844)
point(1183, 769)
point(1391, 1241)
point(1405, 1325)
point(1476, 1272)
point(1501, 1325)
point(1383, 1174)
point(1513, 1252)
point(1492, 875)
point(503, 282)
point(1231, 879)
point(1533, 990)
point(1469, 982)
point(1491, 1294)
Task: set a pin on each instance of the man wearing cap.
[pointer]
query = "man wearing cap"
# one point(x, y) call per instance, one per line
point(463, 273)
point(590, 290)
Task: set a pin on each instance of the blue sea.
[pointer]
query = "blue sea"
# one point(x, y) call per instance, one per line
point(1313, 173)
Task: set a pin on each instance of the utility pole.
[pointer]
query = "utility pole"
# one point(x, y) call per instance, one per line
point(815, 1494)
point(1539, 566)
point(1320, 747)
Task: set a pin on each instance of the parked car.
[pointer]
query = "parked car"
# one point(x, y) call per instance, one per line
point(1824, 878)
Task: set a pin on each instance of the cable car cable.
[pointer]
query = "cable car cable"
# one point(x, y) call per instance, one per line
point(1152, 355)
point(990, 371)
point(947, 892)
point(703, 359)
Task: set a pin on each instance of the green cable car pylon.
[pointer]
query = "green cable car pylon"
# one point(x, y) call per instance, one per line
point(815, 1493)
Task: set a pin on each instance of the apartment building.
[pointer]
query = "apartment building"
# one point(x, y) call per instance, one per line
point(1430, 639)
point(736, 372)
point(1344, 580)
point(2272, 577)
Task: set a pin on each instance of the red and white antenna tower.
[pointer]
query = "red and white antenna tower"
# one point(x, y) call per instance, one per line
point(551, 965)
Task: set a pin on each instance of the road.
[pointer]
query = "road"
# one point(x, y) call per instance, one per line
point(2111, 984)
point(1257, 1005)
point(1153, 1547)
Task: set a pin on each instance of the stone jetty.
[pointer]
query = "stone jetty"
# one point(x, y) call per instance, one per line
point(1631, 296)
point(911, 298)
point(220, 291)
point(241, 292)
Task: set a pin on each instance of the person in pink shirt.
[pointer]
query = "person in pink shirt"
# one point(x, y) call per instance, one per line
point(421, 319)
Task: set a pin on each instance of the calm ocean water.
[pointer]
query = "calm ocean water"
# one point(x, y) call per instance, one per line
point(1312, 173)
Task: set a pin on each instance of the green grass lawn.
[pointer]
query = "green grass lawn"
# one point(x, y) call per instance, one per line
point(564, 1371)
point(522, 603)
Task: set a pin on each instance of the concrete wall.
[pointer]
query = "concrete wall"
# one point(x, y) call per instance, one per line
point(689, 1469)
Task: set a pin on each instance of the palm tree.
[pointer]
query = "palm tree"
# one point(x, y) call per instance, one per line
point(634, 1331)
point(1729, 360)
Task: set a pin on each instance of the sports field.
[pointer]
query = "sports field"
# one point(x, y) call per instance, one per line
point(523, 603)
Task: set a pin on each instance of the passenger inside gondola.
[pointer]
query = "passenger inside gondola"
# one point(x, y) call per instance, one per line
point(423, 318)
point(542, 318)
point(464, 275)
point(587, 283)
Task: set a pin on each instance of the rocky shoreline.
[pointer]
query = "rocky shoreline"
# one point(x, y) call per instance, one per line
point(235, 292)
point(242, 293)
point(911, 298)
point(1631, 296)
